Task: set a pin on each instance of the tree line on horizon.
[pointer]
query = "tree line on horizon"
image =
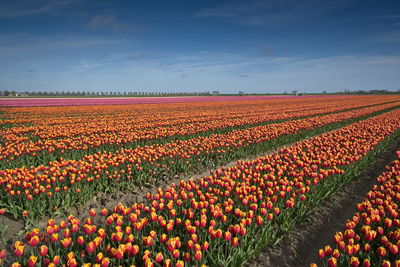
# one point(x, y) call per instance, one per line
point(14, 93)
point(102, 93)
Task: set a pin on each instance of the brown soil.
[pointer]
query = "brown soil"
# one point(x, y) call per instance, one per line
point(300, 247)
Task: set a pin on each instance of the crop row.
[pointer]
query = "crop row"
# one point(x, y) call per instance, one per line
point(85, 132)
point(215, 219)
point(372, 236)
point(64, 183)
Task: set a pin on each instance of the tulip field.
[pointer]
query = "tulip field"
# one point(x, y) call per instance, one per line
point(269, 162)
point(372, 236)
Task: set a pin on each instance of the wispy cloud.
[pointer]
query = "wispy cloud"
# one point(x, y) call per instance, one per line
point(257, 12)
point(387, 37)
point(387, 17)
point(25, 8)
point(22, 50)
point(107, 21)
point(33, 43)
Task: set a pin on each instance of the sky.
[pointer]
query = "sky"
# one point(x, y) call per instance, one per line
point(255, 46)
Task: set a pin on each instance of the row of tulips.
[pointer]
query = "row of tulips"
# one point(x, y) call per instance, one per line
point(372, 236)
point(85, 133)
point(212, 220)
point(63, 183)
point(197, 112)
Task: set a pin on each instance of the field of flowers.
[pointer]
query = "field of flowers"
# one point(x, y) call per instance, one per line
point(304, 149)
point(372, 236)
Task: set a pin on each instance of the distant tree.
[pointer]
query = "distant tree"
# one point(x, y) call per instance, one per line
point(324, 92)
point(241, 92)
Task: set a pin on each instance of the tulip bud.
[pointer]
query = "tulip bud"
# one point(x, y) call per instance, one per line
point(43, 250)
point(321, 253)
point(366, 263)
point(354, 261)
point(19, 250)
point(198, 255)
point(105, 262)
point(90, 247)
point(32, 261)
point(3, 253)
point(235, 241)
point(167, 263)
point(336, 253)
point(92, 212)
point(175, 253)
point(56, 260)
point(381, 252)
point(394, 249)
point(159, 257)
point(72, 263)
point(332, 262)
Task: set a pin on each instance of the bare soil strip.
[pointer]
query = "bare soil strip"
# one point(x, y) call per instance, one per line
point(300, 247)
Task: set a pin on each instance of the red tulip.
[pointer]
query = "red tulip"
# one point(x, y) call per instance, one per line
point(235, 241)
point(175, 253)
point(321, 253)
point(198, 255)
point(332, 262)
point(90, 247)
point(3, 253)
point(92, 212)
point(19, 250)
point(366, 263)
point(43, 250)
point(159, 257)
point(354, 261)
point(32, 261)
point(381, 252)
point(105, 262)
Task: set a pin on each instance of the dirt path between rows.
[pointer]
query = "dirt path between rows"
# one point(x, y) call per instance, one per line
point(300, 247)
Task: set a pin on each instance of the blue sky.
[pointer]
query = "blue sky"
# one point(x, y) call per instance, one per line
point(257, 46)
